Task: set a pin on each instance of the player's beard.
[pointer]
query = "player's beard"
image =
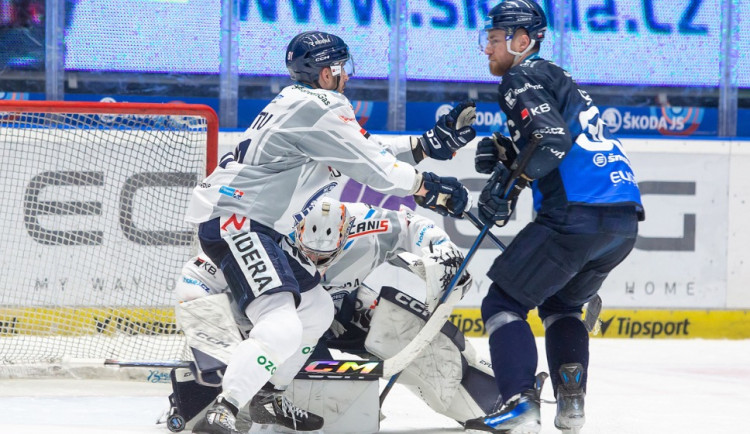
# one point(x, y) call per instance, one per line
point(499, 68)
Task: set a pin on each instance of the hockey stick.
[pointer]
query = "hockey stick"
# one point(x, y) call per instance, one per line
point(443, 310)
point(431, 328)
point(478, 224)
point(398, 362)
point(313, 369)
point(147, 363)
point(593, 307)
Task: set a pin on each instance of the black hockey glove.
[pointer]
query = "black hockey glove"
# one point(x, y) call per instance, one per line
point(445, 195)
point(493, 207)
point(451, 132)
point(492, 149)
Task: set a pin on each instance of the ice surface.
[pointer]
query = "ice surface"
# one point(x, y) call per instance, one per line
point(635, 386)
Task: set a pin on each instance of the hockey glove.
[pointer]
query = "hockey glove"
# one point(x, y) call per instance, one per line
point(445, 195)
point(451, 132)
point(353, 309)
point(492, 149)
point(493, 207)
point(437, 267)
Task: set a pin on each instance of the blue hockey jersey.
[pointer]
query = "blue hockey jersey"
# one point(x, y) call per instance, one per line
point(577, 160)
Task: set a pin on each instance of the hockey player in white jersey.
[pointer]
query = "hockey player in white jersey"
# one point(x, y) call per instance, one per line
point(290, 155)
point(448, 375)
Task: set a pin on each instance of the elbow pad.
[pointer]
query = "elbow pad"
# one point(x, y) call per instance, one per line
point(548, 155)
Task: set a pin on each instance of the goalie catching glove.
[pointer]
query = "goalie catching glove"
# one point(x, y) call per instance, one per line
point(436, 267)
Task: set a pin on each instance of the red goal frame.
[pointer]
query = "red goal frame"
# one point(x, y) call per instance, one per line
point(171, 109)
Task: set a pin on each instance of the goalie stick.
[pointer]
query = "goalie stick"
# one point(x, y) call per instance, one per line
point(431, 327)
point(313, 369)
point(443, 310)
point(397, 363)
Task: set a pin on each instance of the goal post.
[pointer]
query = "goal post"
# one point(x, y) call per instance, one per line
point(93, 198)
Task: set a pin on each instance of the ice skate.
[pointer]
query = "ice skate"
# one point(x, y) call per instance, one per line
point(219, 419)
point(570, 399)
point(271, 407)
point(519, 415)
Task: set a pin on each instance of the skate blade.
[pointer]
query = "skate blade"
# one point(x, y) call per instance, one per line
point(283, 429)
point(533, 428)
point(572, 425)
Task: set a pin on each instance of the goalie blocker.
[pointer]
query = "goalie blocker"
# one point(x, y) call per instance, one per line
point(447, 375)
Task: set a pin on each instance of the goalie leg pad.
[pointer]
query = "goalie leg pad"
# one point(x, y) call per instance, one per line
point(210, 330)
point(444, 374)
point(395, 322)
point(200, 277)
point(346, 406)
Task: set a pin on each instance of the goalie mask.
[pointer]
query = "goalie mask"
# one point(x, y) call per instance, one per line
point(309, 52)
point(324, 231)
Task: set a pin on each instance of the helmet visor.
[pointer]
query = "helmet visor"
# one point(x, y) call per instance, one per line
point(346, 65)
point(485, 39)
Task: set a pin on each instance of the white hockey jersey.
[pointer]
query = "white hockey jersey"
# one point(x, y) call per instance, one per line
point(378, 235)
point(294, 152)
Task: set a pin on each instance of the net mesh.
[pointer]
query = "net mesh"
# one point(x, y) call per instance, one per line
point(92, 229)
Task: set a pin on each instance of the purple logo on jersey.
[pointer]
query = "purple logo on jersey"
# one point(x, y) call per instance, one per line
point(353, 191)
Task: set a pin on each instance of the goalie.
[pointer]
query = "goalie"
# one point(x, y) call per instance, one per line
point(347, 242)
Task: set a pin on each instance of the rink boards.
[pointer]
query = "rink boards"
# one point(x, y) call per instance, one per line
point(615, 323)
point(686, 278)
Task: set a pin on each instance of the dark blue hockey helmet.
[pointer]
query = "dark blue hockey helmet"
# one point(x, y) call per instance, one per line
point(309, 52)
point(511, 15)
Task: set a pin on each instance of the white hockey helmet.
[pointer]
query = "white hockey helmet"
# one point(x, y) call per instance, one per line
point(322, 234)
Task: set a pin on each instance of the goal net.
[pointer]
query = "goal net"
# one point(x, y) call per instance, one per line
point(93, 197)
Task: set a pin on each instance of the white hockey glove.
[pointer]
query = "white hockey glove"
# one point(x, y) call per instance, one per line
point(437, 267)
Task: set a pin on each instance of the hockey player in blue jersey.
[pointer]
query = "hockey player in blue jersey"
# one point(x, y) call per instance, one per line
point(587, 207)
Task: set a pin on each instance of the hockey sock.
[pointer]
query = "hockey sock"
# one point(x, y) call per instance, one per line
point(315, 312)
point(514, 358)
point(567, 341)
point(249, 369)
point(277, 332)
point(289, 369)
